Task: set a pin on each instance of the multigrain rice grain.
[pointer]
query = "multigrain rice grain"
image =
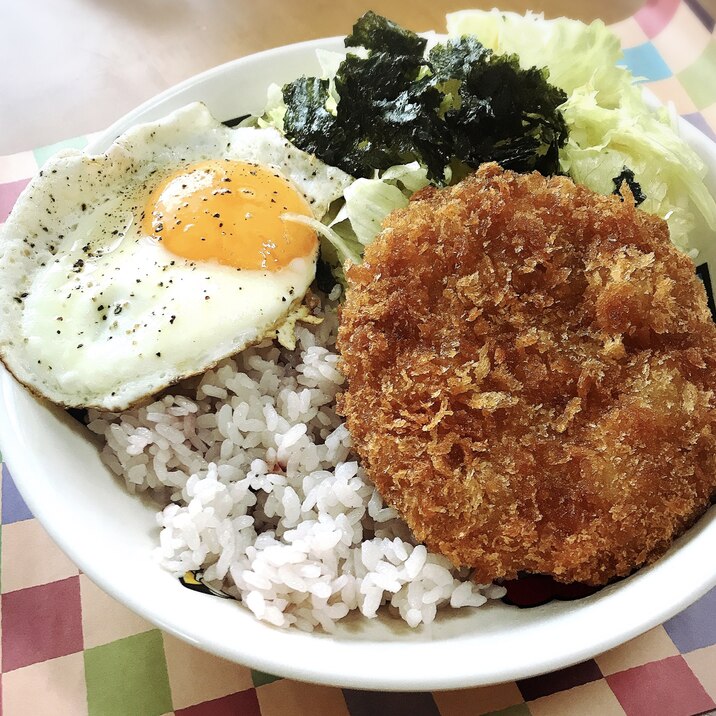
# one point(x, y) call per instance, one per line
point(262, 492)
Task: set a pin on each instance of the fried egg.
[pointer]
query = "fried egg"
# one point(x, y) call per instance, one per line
point(124, 272)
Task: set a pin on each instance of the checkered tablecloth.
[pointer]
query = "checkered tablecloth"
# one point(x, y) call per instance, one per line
point(67, 649)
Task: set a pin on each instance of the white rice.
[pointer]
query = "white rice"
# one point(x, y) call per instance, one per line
point(263, 493)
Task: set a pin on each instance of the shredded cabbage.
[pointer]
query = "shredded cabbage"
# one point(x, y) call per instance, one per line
point(329, 62)
point(610, 123)
point(345, 249)
point(369, 201)
point(274, 110)
point(575, 54)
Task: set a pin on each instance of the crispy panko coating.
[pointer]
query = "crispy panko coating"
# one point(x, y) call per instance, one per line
point(530, 375)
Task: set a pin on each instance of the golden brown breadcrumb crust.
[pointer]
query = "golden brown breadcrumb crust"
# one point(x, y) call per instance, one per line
point(530, 375)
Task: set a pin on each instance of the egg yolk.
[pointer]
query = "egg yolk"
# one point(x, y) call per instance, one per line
point(230, 212)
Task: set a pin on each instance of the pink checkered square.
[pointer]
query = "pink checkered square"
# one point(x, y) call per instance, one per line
point(661, 688)
point(41, 623)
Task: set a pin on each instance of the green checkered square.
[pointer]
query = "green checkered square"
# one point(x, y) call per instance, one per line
point(517, 710)
point(128, 676)
point(698, 79)
point(261, 679)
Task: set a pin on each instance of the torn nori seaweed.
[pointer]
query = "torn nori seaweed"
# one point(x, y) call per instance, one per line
point(627, 175)
point(462, 103)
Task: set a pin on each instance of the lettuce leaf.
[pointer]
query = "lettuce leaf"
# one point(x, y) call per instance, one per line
point(610, 124)
point(368, 202)
point(274, 110)
point(574, 53)
point(671, 175)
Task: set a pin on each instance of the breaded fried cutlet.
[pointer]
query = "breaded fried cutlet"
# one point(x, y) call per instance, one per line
point(530, 377)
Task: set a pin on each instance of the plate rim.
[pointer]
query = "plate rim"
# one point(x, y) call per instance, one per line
point(22, 466)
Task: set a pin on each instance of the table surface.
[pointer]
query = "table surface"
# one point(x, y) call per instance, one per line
point(71, 67)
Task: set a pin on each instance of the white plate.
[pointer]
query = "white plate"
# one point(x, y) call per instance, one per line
point(110, 534)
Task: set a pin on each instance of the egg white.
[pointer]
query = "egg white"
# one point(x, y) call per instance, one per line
point(97, 314)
